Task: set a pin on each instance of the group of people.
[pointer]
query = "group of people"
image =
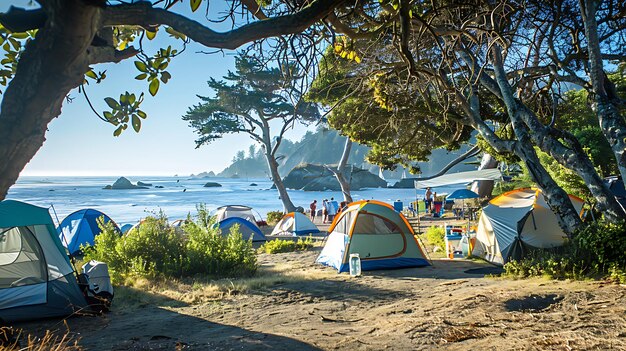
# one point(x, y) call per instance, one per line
point(330, 208)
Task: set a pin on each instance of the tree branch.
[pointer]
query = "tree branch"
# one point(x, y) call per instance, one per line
point(143, 14)
point(105, 54)
point(21, 20)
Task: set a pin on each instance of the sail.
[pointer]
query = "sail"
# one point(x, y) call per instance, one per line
point(380, 174)
point(403, 174)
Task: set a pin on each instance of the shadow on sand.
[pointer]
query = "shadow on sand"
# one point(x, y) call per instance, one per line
point(154, 327)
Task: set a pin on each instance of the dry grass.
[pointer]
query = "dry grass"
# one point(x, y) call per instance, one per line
point(14, 340)
point(456, 334)
point(178, 292)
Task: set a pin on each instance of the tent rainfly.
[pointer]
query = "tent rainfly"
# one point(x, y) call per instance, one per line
point(248, 229)
point(381, 236)
point(515, 222)
point(81, 228)
point(36, 277)
point(295, 224)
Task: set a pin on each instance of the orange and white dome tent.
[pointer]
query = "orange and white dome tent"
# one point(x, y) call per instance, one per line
point(515, 222)
point(295, 224)
point(380, 235)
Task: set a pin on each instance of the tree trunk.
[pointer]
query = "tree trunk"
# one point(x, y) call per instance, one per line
point(556, 197)
point(572, 157)
point(611, 121)
point(272, 164)
point(52, 64)
point(484, 188)
point(340, 173)
point(278, 181)
point(575, 159)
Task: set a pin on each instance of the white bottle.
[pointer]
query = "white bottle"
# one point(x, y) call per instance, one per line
point(355, 265)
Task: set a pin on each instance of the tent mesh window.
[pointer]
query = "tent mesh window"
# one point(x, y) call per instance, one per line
point(343, 226)
point(374, 237)
point(371, 224)
point(21, 258)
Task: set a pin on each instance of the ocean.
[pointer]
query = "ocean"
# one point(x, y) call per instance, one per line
point(178, 197)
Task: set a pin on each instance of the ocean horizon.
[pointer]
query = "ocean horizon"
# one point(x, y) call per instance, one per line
point(178, 197)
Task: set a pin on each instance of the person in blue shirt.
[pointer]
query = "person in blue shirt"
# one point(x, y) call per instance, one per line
point(333, 208)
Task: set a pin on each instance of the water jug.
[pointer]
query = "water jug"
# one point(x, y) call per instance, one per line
point(355, 265)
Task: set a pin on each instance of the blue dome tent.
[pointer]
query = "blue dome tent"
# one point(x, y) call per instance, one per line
point(247, 228)
point(80, 228)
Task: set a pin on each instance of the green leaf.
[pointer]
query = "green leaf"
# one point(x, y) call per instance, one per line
point(141, 66)
point(124, 99)
point(151, 35)
point(112, 103)
point(91, 74)
point(16, 44)
point(19, 35)
point(131, 99)
point(141, 76)
point(108, 115)
point(136, 123)
point(118, 131)
point(141, 114)
point(195, 4)
point(165, 76)
point(154, 87)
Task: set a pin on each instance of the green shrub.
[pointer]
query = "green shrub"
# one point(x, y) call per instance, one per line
point(210, 252)
point(274, 216)
point(602, 244)
point(155, 249)
point(435, 236)
point(278, 245)
point(597, 249)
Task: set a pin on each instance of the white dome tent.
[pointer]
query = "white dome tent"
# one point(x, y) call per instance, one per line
point(515, 222)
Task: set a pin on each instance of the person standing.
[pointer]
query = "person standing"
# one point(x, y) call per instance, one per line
point(313, 207)
point(333, 207)
point(428, 199)
point(324, 211)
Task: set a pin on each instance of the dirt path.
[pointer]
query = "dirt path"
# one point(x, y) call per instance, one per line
point(448, 306)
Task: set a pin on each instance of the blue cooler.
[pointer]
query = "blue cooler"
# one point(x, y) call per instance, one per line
point(397, 205)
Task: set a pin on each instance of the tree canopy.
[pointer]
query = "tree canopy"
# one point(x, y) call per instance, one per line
point(249, 101)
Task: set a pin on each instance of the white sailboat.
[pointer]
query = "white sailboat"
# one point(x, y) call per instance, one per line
point(380, 173)
point(403, 173)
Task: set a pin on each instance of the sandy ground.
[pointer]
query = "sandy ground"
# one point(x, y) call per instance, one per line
point(450, 305)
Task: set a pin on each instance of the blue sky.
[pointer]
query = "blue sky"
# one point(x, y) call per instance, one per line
point(78, 143)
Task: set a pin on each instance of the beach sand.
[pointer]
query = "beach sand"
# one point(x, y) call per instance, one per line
point(451, 305)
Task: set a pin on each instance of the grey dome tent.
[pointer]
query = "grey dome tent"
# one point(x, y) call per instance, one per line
point(517, 222)
point(36, 277)
point(241, 211)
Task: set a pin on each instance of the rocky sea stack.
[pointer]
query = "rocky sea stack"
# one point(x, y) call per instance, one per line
point(312, 177)
point(122, 183)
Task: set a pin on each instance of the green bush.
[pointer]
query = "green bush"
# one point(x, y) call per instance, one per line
point(278, 245)
point(211, 252)
point(435, 236)
point(274, 216)
point(597, 249)
point(155, 249)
